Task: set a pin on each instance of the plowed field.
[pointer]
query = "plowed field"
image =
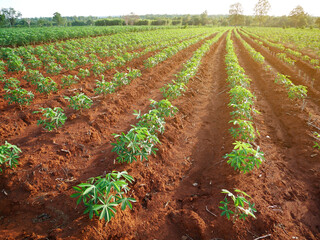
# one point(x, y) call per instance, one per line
point(177, 191)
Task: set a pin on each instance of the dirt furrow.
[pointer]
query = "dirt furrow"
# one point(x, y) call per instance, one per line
point(295, 77)
point(287, 180)
point(300, 64)
point(196, 152)
point(77, 151)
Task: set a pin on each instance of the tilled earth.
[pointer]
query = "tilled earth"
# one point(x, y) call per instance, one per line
point(178, 191)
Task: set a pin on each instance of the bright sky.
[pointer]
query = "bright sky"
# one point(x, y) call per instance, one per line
point(46, 8)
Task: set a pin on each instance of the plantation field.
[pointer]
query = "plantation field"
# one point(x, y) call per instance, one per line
point(181, 115)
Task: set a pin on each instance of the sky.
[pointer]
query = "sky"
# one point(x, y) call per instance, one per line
point(45, 8)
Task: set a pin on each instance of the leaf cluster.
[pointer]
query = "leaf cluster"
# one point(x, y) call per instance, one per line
point(244, 157)
point(9, 155)
point(68, 80)
point(240, 207)
point(79, 101)
point(19, 96)
point(52, 118)
point(294, 91)
point(101, 195)
point(141, 139)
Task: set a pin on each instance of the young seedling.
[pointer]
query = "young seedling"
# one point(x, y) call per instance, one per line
point(2, 69)
point(133, 73)
point(10, 83)
point(19, 96)
point(53, 118)
point(15, 63)
point(33, 76)
point(53, 68)
point(83, 73)
point(79, 101)
point(104, 87)
point(101, 195)
point(151, 120)
point(244, 131)
point(317, 143)
point(139, 142)
point(244, 158)
point(9, 155)
point(46, 85)
point(173, 90)
point(98, 68)
point(164, 107)
point(240, 207)
point(68, 80)
point(120, 79)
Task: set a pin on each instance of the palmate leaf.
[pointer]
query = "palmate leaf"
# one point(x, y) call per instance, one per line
point(91, 210)
point(89, 189)
point(126, 202)
point(101, 195)
point(226, 211)
point(107, 209)
point(239, 201)
point(239, 191)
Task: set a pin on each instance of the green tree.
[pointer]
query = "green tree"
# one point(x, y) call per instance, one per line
point(298, 17)
point(2, 19)
point(261, 10)
point(204, 18)
point(131, 18)
point(11, 15)
point(186, 19)
point(236, 17)
point(58, 19)
point(318, 22)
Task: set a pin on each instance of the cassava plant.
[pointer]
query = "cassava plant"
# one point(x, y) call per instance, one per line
point(9, 155)
point(46, 85)
point(10, 83)
point(239, 208)
point(317, 137)
point(83, 73)
point(79, 101)
point(52, 118)
point(244, 157)
point(19, 96)
point(104, 87)
point(101, 195)
point(138, 143)
point(68, 80)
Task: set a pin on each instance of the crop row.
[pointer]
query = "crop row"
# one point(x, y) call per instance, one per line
point(294, 91)
point(15, 94)
point(283, 56)
point(301, 39)
point(25, 36)
point(137, 144)
point(243, 157)
point(58, 57)
point(53, 118)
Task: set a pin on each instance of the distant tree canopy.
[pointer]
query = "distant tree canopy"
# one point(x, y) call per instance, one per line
point(9, 17)
point(131, 18)
point(261, 10)
point(109, 22)
point(58, 19)
point(318, 22)
point(236, 17)
point(298, 17)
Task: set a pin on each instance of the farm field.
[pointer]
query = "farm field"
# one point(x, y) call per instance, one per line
point(225, 87)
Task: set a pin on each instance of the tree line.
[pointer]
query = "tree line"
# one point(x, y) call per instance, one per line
point(9, 17)
point(297, 17)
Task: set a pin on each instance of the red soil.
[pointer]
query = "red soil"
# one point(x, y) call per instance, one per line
point(35, 202)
